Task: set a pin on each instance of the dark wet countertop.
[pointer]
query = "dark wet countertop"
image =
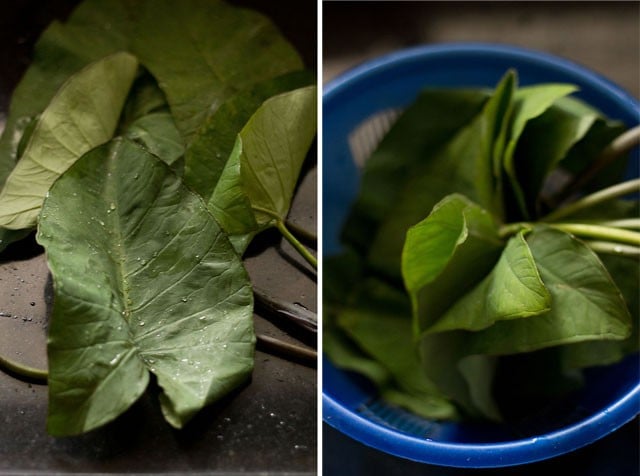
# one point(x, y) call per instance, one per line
point(268, 426)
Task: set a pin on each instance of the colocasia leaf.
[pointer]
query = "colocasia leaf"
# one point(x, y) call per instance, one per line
point(145, 281)
point(210, 148)
point(208, 51)
point(84, 113)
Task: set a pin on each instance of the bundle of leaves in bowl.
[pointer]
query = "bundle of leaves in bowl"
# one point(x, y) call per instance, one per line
point(491, 254)
point(147, 144)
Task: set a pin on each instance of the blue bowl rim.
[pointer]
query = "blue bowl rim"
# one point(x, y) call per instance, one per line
point(482, 455)
point(409, 55)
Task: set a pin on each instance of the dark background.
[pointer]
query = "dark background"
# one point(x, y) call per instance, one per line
point(603, 36)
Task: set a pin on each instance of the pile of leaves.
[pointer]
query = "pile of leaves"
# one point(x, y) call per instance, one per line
point(148, 143)
point(480, 267)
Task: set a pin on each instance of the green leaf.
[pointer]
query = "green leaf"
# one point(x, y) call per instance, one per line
point(145, 98)
point(95, 29)
point(529, 103)
point(553, 138)
point(208, 52)
point(446, 255)
point(257, 184)
point(380, 322)
point(340, 274)
point(145, 281)
point(463, 377)
point(210, 148)
point(425, 127)
point(513, 289)
point(625, 272)
point(464, 165)
point(83, 114)
point(586, 303)
point(157, 133)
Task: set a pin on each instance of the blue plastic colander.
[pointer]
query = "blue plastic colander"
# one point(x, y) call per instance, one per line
point(358, 108)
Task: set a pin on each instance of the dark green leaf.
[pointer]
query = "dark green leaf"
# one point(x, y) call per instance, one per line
point(529, 103)
point(464, 165)
point(424, 128)
point(380, 322)
point(157, 133)
point(210, 148)
point(208, 52)
point(145, 281)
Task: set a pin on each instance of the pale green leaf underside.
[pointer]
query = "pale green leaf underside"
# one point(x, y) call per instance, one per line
point(257, 185)
point(145, 281)
point(83, 114)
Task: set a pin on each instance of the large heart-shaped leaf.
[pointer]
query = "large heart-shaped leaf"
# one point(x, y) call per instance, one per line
point(83, 114)
point(257, 184)
point(208, 51)
point(145, 281)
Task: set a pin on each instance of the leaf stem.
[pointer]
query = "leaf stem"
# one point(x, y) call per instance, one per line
point(595, 198)
point(621, 144)
point(23, 371)
point(513, 228)
point(296, 244)
point(609, 247)
point(600, 232)
point(302, 233)
point(631, 223)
